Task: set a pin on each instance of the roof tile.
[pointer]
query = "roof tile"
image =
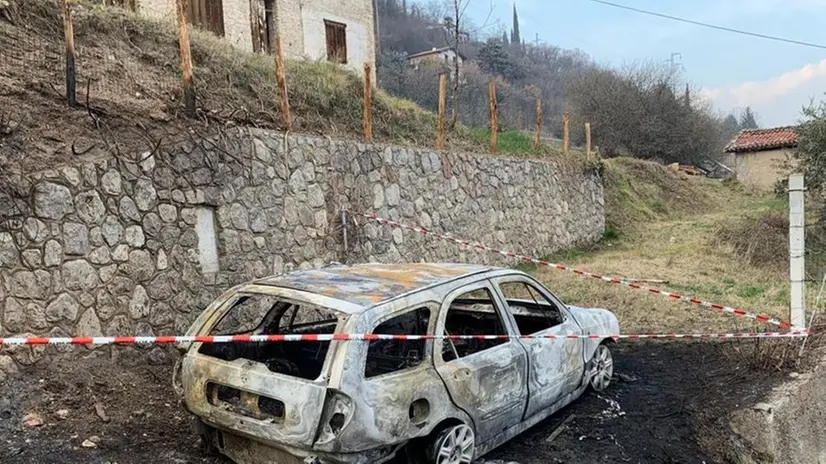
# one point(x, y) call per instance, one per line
point(749, 140)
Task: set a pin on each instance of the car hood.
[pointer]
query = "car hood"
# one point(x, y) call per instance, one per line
point(596, 320)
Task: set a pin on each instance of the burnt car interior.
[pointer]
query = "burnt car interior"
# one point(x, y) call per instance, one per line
point(531, 310)
point(386, 356)
point(474, 313)
point(260, 314)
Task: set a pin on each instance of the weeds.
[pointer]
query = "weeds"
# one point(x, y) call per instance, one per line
point(760, 241)
point(610, 234)
point(749, 291)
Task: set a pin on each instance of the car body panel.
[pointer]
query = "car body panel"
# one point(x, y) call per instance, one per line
point(302, 399)
point(488, 385)
point(367, 285)
point(556, 366)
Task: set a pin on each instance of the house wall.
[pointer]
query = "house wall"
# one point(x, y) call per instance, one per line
point(761, 169)
point(237, 25)
point(157, 9)
point(445, 57)
point(115, 248)
point(300, 24)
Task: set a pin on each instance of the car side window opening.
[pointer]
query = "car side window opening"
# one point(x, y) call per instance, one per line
point(472, 313)
point(531, 310)
point(386, 356)
point(263, 314)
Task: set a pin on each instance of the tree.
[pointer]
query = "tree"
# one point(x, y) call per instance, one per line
point(495, 60)
point(748, 119)
point(811, 146)
point(516, 39)
point(730, 124)
point(459, 7)
point(392, 70)
point(641, 112)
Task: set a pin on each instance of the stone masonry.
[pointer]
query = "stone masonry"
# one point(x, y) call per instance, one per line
point(139, 248)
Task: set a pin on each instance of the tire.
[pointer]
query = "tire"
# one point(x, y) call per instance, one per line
point(601, 368)
point(455, 444)
point(207, 435)
point(207, 447)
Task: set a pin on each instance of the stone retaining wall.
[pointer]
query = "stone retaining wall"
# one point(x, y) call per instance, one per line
point(119, 247)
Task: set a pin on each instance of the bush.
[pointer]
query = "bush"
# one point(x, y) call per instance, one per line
point(760, 241)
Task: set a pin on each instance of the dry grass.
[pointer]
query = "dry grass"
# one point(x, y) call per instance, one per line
point(669, 231)
point(761, 240)
point(131, 67)
point(638, 191)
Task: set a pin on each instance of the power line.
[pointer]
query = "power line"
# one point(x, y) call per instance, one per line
point(711, 26)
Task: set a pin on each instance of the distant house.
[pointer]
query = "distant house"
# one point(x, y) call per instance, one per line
point(336, 30)
point(758, 155)
point(446, 55)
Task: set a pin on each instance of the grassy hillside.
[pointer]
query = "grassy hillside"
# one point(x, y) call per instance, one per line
point(130, 67)
point(684, 230)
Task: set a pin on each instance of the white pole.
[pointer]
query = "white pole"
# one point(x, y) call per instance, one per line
point(797, 250)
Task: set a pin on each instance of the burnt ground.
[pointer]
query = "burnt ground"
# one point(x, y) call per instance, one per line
point(669, 403)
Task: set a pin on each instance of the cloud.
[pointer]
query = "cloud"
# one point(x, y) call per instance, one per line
point(777, 100)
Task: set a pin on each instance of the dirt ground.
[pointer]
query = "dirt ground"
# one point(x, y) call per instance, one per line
point(668, 403)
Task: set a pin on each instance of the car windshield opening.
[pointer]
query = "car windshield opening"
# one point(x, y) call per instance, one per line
point(261, 314)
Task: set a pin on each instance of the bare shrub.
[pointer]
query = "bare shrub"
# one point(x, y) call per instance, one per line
point(761, 240)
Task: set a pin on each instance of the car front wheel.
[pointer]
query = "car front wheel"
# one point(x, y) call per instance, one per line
point(602, 368)
point(454, 445)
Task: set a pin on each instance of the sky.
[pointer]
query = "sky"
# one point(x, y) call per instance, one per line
point(776, 79)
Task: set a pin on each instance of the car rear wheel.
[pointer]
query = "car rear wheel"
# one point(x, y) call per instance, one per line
point(455, 444)
point(602, 368)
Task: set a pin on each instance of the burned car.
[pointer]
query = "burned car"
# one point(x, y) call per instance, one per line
point(437, 399)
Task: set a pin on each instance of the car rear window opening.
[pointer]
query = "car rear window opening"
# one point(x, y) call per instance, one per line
point(261, 314)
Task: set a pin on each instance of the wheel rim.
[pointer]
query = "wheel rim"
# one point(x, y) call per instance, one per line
point(602, 368)
point(456, 446)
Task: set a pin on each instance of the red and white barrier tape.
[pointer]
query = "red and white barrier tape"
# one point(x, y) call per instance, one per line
point(794, 332)
point(612, 280)
point(165, 340)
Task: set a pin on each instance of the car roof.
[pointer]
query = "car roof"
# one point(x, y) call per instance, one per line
point(368, 285)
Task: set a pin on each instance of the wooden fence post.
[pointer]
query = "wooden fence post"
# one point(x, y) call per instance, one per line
point(588, 140)
point(186, 59)
point(566, 132)
point(440, 131)
point(493, 116)
point(537, 139)
point(368, 103)
point(69, 33)
point(281, 80)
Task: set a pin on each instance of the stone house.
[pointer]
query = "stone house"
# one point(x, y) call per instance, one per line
point(759, 156)
point(445, 55)
point(336, 30)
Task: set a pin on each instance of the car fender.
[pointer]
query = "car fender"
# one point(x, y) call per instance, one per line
point(595, 321)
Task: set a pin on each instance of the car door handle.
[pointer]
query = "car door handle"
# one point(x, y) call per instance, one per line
point(461, 373)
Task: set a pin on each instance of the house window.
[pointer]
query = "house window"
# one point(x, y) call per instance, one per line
point(269, 20)
point(336, 41)
point(206, 14)
point(262, 21)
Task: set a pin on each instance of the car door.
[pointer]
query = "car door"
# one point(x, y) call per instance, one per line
point(555, 366)
point(485, 377)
